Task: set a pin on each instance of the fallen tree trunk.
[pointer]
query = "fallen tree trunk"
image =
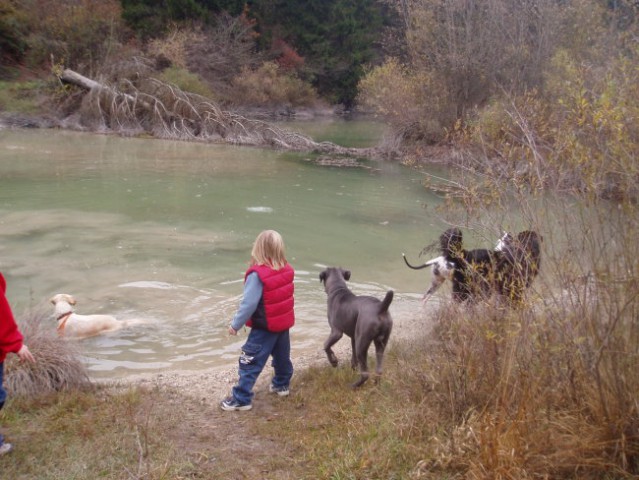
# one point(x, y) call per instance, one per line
point(165, 111)
point(69, 76)
point(74, 78)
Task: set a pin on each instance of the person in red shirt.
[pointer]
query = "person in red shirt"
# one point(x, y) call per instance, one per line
point(10, 342)
point(267, 307)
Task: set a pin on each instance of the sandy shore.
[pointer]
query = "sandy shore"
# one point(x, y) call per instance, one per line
point(210, 386)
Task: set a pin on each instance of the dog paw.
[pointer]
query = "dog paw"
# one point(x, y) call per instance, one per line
point(360, 382)
point(332, 358)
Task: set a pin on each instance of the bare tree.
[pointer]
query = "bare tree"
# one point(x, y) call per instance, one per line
point(480, 46)
point(219, 54)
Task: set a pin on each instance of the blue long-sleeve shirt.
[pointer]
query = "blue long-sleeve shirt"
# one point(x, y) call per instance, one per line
point(253, 289)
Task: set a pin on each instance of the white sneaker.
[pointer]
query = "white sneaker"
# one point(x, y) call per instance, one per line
point(5, 448)
point(230, 404)
point(281, 391)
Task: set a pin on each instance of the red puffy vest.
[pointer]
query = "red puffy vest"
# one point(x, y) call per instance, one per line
point(275, 311)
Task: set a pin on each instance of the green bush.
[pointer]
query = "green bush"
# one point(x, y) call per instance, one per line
point(186, 81)
point(20, 97)
point(172, 47)
point(579, 135)
point(12, 33)
point(269, 86)
point(415, 103)
point(81, 35)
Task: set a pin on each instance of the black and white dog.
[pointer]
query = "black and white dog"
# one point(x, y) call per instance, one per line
point(364, 319)
point(444, 266)
point(518, 266)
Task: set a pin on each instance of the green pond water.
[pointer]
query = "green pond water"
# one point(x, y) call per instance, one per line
point(161, 231)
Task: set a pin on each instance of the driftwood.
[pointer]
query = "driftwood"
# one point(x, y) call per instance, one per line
point(165, 111)
point(69, 76)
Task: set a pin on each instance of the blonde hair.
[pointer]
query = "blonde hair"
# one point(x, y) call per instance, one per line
point(268, 249)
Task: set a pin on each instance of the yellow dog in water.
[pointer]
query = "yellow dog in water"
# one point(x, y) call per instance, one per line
point(70, 324)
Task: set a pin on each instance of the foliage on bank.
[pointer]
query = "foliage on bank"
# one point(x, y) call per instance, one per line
point(542, 92)
point(325, 45)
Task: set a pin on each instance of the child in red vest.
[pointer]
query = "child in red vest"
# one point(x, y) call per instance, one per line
point(10, 342)
point(267, 307)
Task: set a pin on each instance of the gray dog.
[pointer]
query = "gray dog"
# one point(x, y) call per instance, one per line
point(364, 319)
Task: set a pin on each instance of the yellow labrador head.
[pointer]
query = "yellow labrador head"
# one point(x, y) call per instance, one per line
point(62, 297)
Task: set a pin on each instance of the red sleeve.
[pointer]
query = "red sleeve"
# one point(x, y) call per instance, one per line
point(10, 336)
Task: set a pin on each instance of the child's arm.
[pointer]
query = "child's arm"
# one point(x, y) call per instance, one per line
point(250, 300)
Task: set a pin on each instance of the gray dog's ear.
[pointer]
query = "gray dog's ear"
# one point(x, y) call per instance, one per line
point(322, 276)
point(347, 274)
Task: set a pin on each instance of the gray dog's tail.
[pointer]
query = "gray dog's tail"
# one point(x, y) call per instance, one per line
point(386, 302)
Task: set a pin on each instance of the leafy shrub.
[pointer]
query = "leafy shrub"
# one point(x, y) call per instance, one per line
point(270, 86)
point(12, 32)
point(173, 47)
point(580, 136)
point(287, 57)
point(81, 35)
point(20, 97)
point(415, 103)
point(186, 81)
point(600, 105)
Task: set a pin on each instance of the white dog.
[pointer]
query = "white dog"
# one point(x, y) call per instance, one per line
point(71, 324)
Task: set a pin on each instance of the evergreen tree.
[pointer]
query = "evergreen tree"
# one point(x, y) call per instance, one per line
point(336, 38)
point(12, 35)
point(150, 18)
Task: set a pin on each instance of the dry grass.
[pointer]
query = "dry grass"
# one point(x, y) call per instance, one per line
point(58, 366)
point(97, 434)
point(492, 394)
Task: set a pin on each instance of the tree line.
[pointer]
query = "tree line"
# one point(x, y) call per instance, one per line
point(324, 43)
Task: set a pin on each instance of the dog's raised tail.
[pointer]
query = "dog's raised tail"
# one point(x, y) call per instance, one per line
point(417, 267)
point(386, 302)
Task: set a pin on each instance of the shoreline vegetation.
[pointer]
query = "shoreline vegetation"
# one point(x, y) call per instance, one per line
point(533, 109)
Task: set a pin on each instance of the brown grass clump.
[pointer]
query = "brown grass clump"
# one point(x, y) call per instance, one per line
point(529, 394)
point(58, 366)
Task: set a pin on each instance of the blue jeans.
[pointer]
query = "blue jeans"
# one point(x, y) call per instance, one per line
point(3, 395)
point(3, 392)
point(259, 345)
